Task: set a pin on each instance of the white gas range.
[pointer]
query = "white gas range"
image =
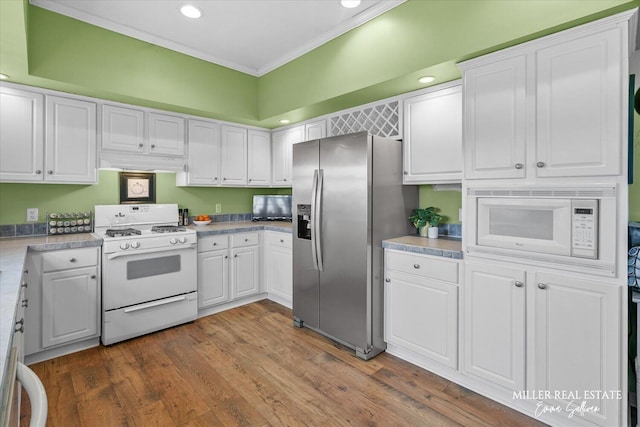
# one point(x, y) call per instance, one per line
point(149, 270)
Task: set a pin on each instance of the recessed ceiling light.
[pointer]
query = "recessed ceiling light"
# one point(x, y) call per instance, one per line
point(4, 77)
point(426, 79)
point(350, 4)
point(190, 11)
point(285, 121)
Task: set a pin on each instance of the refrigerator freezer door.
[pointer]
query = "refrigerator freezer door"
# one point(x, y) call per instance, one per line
point(306, 302)
point(345, 248)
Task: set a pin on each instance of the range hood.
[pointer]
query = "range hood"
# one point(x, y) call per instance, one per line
point(141, 162)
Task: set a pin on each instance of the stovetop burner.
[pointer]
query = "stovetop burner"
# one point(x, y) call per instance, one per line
point(167, 228)
point(122, 232)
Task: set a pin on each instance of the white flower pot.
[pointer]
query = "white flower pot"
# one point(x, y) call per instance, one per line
point(433, 232)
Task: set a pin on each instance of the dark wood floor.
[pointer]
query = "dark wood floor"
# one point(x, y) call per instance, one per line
point(251, 367)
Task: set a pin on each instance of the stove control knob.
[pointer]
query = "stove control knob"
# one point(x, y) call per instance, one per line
point(173, 241)
point(124, 245)
point(183, 239)
point(135, 244)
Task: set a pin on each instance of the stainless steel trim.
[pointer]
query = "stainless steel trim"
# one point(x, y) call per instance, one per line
point(314, 192)
point(150, 251)
point(318, 220)
point(155, 304)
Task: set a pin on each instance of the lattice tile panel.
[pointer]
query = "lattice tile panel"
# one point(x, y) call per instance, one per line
point(380, 120)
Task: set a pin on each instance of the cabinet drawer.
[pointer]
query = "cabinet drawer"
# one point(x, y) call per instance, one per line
point(282, 240)
point(213, 243)
point(72, 258)
point(244, 239)
point(422, 265)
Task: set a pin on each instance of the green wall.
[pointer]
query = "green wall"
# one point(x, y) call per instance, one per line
point(448, 202)
point(16, 198)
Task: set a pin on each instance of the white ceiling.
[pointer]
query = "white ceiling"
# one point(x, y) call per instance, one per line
point(251, 36)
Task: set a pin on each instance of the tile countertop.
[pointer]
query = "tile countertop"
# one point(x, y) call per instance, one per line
point(235, 227)
point(444, 247)
point(12, 258)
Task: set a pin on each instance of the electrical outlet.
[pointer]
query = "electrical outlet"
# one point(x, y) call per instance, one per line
point(218, 207)
point(32, 214)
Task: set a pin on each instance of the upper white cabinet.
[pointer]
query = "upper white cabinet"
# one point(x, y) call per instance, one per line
point(315, 130)
point(203, 166)
point(282, 152)
point(233, 155)
point(166, 134)
point(433, 136)
point(554, 107)
point(258, 158)
point(60, 149)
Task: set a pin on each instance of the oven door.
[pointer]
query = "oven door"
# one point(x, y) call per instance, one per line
point(533, 225)
point(130, 278)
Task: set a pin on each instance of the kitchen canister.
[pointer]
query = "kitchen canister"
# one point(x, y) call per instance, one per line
point(633, 268)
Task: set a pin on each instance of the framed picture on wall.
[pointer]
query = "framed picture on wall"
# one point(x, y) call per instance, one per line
point(137, 187)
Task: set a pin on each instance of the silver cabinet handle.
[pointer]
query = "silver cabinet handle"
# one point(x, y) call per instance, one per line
point(72, 260)
point(226, 257)
point(246, 240)
point(387, 280)
point(38, 171)
point(19, 327)
point(281, 240)
point(542, 286)
point(416, 265)
point(215, 243)
point(224, 179)
point(215, 178)
point(250, 180)
point(25, 303)
point(141, 145)
point(540, 164)
point(24, 285)
point(50, 172)
point(406, 172)
point(235, 256)
point(519, 284)
point(153, 146)
point(93, 276)
point(285, 179)
point(519, 165)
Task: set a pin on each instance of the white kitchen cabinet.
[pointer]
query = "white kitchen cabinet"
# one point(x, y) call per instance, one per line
point(70, 140)
point(577, 342)
point(282, 153)
point(552, 107)
point(278, 267)
point(122, 129)
point(315, 130)
point(494, 324)
point(64, 298)
point(258, 158)
point(166, 134)
point(245, 274)
point(203, 165)
point(421, 305)
point(495, 119)
point(21, 135)
point(213, 271)
point(233, 155)
point(433, 136)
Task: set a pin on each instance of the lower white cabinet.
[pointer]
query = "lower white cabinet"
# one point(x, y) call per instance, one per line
point(421, 305)
point(278, 267)
point(63, 290)
point(228, 268)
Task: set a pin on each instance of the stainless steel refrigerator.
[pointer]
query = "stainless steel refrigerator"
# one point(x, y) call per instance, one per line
point(347, 197)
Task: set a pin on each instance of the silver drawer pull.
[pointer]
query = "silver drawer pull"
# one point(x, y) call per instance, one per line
point(19, 326)
point(387, 280)
point(281, 240)
point(215, 244)
point(540, 164)
point(25, 303)
point(93, 276)
point(73, 260)
point(542, 286)
point(519, 166)
point(519, 284)
point(246, 240)
point(416, 265)
point(235, 256)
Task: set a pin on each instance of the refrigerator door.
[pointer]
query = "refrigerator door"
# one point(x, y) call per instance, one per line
point(306, 276)
point(345, 250)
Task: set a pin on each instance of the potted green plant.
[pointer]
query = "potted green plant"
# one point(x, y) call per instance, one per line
point(426, 220)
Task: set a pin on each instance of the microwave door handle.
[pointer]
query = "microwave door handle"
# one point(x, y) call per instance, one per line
point(314, 194)
point(318, 220)
point(150, 251)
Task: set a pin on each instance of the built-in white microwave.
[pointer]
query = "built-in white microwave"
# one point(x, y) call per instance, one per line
point(574, 226)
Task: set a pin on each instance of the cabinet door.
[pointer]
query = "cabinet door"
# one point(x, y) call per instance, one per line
point(21, 136)
point(315, 130)
point(282, 154)
point(122, 129)
point(579, 103)
point(70, 305)
point(278, 265)
point(433, 137)
point(70, 140)
point(494, 324)
point(577, 342)
point(245, 277)
point(166, 134)
point(204, 153)
point(233, 164)
point(258, 158)
point(495, 119)
point(213, 278)
point(422, 315)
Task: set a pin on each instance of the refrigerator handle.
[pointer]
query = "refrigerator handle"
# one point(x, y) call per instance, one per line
point(314, 195)
point(318, 220)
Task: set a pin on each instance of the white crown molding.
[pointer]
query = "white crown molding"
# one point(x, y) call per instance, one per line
point(359, 19)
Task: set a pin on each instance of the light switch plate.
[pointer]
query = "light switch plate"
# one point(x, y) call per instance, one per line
point(218, 207)
point(32, 214)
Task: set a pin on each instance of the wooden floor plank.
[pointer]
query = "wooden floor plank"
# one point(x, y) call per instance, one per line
point(251, 367)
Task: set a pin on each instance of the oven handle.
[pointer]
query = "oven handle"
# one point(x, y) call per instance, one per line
point(150, 251)
point(155, 304)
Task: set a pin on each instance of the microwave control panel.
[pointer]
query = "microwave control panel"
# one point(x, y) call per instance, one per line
point(584, 228)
